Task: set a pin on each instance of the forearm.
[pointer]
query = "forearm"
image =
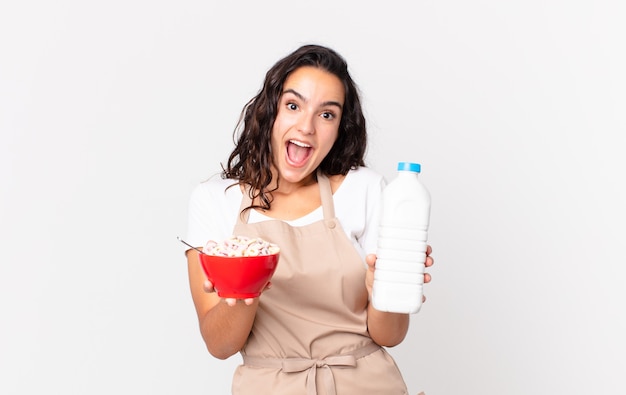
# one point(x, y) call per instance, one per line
point(386, 329)
point(225, 328)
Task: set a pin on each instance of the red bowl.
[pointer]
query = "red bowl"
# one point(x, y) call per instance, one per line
point(239, 277)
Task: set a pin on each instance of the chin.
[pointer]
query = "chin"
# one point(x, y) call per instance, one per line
point(296, 175)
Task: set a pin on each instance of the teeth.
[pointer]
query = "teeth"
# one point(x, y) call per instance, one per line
point(299, 143)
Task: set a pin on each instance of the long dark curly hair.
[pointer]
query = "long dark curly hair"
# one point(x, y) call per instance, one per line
point(251, 160)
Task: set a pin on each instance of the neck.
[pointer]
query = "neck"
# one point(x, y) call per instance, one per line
point(285, 187)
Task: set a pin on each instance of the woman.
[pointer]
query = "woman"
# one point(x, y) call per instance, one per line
point(299, 160)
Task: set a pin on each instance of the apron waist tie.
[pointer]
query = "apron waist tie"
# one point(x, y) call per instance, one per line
point(294, 365)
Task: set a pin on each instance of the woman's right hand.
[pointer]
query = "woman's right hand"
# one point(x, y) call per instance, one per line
point(209, 288)
point(225, 327)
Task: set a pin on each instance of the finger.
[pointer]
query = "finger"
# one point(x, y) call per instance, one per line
point(429, 250)
point(423, 298)
point(427, 278)
point(248, 301)
point(370, 259)
point(208, 286)
point(429, 261)
point(230, 301)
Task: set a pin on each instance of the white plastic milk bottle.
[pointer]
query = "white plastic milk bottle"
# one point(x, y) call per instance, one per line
point(401, 249)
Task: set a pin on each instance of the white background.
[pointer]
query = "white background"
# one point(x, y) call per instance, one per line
point(111, 112)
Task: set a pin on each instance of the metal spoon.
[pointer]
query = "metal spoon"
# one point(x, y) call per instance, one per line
point(189, 245)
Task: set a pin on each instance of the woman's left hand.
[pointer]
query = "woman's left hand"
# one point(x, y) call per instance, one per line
point(371, 267)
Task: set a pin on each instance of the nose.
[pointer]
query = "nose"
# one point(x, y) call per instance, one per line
point(306, 124)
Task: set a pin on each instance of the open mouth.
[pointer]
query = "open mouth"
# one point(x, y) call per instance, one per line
point(298, 152)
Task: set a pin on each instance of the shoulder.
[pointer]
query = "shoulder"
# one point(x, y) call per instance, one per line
point(360, 184)
point(365, 173)
point(356, 206)
point(213, 208)
point(363, 178)
point(216, 188)
point(215, 194)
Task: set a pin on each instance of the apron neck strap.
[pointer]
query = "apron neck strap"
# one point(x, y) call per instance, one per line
point(326, 194)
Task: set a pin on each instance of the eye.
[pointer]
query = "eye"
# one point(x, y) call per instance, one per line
point(328, 115)
point(292, 106)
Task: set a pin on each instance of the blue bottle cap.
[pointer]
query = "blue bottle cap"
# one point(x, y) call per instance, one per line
point(409, 166)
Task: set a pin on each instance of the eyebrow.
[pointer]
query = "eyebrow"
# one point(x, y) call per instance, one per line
point(304, 99)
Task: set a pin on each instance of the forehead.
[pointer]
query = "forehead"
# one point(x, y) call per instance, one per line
point(313, 82)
